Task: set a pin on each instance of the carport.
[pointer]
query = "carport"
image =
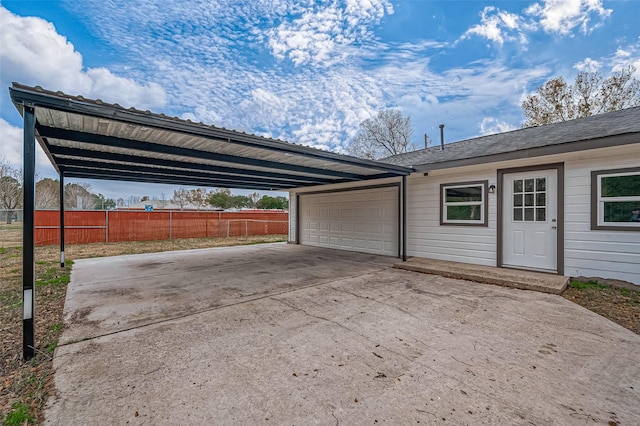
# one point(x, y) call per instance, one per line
point(91, 139)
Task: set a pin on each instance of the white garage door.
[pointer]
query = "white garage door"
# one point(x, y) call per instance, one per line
point(363, 220)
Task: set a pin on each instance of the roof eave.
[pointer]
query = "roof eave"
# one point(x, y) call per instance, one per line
point(581, 145)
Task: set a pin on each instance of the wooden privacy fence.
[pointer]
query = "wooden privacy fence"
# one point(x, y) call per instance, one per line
point(98, 226)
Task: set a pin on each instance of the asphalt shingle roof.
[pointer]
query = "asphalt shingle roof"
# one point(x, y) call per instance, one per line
point(623, 122)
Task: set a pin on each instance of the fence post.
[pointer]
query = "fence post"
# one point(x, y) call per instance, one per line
point(246, 229)
point(170, 225)
point(106, 226)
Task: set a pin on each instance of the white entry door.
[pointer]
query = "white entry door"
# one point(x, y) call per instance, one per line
point(530, 219)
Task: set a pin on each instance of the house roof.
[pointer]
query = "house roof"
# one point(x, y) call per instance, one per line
point(88, 138)
point(598, 131)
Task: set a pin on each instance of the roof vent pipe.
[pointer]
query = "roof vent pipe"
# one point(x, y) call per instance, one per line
point(441, 137)
point(426, 141)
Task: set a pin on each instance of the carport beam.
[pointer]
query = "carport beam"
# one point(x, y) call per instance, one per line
point(404, 218)
point(61, 219)
point(28, 205)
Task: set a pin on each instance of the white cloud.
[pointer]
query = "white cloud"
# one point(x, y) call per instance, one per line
point(589, 65)
point(317, 34)
point(215, 65)
point(498, 25)
point(562, 16)
point(33, 53)
point(552, 16)
point(11, 149)
point(624, 57)
point(491, 125)
point(11, 146)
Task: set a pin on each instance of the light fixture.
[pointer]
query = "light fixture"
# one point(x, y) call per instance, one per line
point(492, 189)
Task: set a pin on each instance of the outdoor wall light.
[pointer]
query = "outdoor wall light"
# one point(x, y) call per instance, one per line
point(492, 189)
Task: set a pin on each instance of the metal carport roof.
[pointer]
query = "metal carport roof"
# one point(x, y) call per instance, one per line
point(91, 139)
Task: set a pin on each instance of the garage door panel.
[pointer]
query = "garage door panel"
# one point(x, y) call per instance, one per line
point(376, 228)
point(346, 227)
point(360, 220)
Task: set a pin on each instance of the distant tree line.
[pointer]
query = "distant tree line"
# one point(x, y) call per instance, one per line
point(222, 198)
point(80, 196)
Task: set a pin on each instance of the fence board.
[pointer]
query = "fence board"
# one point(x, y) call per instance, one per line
point(94, 226)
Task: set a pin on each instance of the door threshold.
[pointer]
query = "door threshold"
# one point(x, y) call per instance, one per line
point(523, 268)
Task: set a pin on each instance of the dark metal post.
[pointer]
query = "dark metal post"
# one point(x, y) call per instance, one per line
point(297, 236)
point(404, 218)
point(61, 218)
point(28, 255)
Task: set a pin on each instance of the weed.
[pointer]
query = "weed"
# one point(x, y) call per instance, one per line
point(54, 276)
point(52, 347)
point(3, 250)
point(19, 415)
point(56, 327)
point(579, 285)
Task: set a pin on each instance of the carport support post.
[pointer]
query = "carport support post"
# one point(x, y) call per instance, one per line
point(28, 205)
point(404, 218)
point(61, 219)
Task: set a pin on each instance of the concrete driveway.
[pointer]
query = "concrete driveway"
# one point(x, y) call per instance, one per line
point(284, 334)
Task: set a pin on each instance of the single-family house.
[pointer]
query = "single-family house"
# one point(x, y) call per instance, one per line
point(562, 198)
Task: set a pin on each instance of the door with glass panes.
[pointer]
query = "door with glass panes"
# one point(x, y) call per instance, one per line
point(530, 237)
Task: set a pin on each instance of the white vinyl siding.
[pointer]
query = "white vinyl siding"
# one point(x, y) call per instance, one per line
point(427, 238)
point(597, 253)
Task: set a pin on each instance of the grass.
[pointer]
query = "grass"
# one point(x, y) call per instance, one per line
point(55, 276)
point(25, 386)
point(612, 300)
point(592, 284)
point(19, 415)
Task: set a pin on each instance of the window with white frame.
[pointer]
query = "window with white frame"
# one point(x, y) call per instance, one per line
point(463, 203)
point(616, 199)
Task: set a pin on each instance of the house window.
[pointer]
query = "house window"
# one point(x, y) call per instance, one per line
point(463, 203)
point(615, 199)
point(530, 200)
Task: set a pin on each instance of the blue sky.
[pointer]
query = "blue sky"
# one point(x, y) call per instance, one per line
point(308, 71)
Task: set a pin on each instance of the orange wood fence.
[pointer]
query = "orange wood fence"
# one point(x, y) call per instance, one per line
point(97, 226)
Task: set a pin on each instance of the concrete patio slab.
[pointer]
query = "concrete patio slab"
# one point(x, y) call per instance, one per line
point(375, 345)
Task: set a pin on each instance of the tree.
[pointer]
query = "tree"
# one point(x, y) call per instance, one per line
point(10, 189)
point(180, 197)
point(47, 194)
point(590, 94)
point(198, 197)
point(254, 197)
point(240, 201)
point(220, 198)
point(102, 203)
point(79, 196)
point(387, 134)
point(273, 203)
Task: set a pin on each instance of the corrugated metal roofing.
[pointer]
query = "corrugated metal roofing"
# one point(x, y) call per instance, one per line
point(598, 131)
point(87, 138)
